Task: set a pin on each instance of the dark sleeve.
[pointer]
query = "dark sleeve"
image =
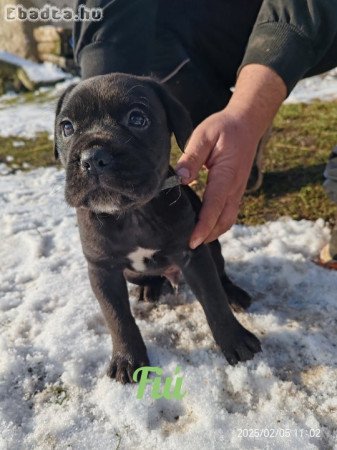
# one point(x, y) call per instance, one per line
point(292, 36)
point(122, 41)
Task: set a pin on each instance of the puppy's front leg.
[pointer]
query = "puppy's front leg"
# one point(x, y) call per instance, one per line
point(237, 343)
point(129, 351)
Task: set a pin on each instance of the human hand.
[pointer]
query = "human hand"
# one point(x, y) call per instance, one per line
point(226, 145)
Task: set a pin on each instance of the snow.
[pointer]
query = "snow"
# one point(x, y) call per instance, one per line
point(27, 119)
point(321, 87)
point(55, 348)
point(38, 73)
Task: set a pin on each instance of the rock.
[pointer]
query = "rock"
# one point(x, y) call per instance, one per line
point(53, 40)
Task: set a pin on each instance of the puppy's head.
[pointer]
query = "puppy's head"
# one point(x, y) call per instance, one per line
point(112, 134)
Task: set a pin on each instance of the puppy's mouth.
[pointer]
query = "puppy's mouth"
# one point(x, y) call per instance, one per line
point(102, 200)
point(110, 193)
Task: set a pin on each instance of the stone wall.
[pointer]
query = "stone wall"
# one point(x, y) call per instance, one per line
point(17, 36)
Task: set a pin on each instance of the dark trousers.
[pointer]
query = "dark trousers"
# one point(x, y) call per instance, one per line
point(196, 46)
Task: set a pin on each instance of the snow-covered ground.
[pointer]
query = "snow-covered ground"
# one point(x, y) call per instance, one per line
point(321, 87)
point(27, 118)
point(55, 348)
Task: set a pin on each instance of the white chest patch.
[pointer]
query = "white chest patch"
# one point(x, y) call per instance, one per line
point(137, 258)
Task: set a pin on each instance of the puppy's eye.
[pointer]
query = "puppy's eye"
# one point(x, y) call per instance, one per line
point(138, 119)
point(67, 128)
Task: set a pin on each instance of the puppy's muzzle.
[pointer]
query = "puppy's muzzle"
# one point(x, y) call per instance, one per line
point(96, 160)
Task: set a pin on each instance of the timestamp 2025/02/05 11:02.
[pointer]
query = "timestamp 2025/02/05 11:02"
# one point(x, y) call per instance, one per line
point(278, 432)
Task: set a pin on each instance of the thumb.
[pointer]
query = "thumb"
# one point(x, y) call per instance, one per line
point(195, 155)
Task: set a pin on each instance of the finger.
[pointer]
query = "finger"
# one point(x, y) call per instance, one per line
point(215, 197)
point(195, 154)
point(226, 220)
point(208, 218)
point(228, 215)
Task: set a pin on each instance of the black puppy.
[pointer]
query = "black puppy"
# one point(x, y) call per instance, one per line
point(112, 134)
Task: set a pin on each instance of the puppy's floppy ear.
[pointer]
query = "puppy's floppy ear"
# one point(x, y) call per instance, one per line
point(57, 112)
point(179, 120)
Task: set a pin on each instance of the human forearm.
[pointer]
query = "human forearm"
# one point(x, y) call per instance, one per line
point(292, 36)
point(259, 92)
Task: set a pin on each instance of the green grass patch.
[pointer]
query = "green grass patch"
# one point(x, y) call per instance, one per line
point(21, 153)
point(41, 95)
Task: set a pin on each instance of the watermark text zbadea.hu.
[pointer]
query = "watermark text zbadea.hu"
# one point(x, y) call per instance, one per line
point(52, 13)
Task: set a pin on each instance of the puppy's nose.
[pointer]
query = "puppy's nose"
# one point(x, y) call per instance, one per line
point(96, 159)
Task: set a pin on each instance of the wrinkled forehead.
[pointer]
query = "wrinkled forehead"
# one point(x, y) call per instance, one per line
point(101, 95)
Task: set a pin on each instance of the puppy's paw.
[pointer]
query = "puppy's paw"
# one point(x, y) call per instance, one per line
point(152, 292)
point(238, 298)
point(149, 294)
point(122, 366)
point(239, 344)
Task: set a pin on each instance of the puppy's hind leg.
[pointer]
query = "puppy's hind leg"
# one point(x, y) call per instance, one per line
point(150, 287)
point(152, 290)
point(237, 297)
